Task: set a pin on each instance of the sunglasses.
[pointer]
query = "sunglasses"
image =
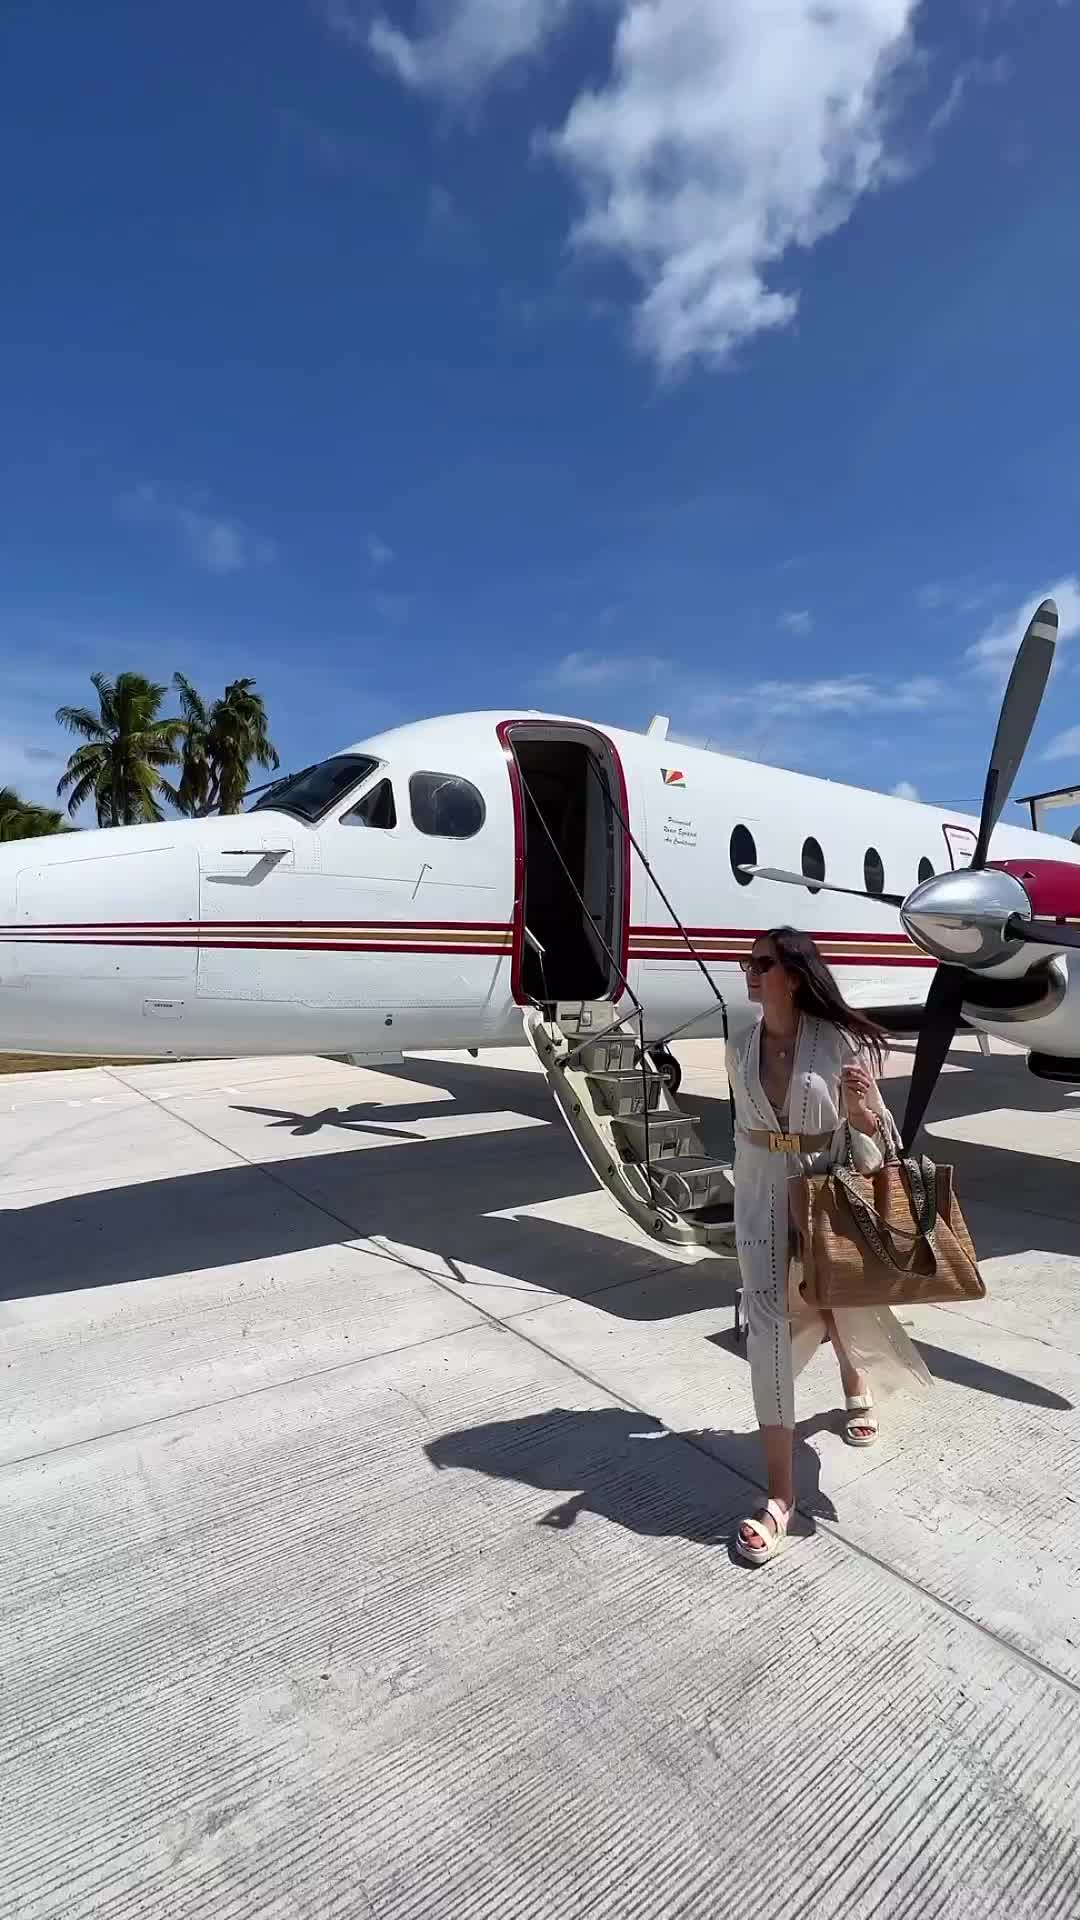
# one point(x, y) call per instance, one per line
point(764, 964)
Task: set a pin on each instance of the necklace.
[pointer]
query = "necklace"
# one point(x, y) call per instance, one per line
point(780, 1052)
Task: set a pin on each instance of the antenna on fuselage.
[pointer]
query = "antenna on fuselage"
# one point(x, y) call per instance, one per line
point(658, 726)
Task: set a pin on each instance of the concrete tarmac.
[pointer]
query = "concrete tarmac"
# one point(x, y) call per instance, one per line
point(365, 1495)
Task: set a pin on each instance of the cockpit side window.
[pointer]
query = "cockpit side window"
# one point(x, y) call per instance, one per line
point(376, 809)
point(446, 806)
point(311, 794)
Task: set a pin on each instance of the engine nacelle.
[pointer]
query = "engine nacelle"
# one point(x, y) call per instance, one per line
point(1047, 1066)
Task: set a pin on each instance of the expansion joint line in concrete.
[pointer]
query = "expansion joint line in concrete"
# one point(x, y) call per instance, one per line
point(516, 1331)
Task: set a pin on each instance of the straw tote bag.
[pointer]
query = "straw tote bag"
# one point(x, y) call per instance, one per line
point(892, 1238)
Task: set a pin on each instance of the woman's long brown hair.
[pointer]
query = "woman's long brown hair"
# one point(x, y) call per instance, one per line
point(819, 995)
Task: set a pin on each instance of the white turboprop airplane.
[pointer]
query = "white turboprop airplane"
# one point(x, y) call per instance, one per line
point(442, 884)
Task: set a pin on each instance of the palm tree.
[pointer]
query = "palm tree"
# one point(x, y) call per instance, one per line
point(23, 820)
point(220, 743)
point(239, 737)
point(192, 794)
point(128, 747)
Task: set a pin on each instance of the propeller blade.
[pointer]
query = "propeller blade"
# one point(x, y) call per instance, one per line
point(1046, 933)
point(944, 1010)
point(821, 886)
point(1019, 711)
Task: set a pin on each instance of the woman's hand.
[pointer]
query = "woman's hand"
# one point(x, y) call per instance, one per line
point(858, 1089)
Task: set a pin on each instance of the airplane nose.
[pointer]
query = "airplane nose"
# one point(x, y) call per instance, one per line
point(81, 968)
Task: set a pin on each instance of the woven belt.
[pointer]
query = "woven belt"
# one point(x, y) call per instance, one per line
point(786, 1142)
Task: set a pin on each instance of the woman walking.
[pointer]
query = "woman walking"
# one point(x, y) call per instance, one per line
point(804, 1082)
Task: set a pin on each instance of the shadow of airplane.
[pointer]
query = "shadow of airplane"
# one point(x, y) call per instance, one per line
point(438, 1198)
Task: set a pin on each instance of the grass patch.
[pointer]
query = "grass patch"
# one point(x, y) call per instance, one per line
point(55, 1063)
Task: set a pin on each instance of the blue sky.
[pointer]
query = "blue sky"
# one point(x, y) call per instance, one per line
point(611, 356)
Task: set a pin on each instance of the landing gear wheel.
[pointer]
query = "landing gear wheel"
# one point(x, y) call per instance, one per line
point(668, 1068)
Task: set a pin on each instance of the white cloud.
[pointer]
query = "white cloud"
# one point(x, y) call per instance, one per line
point(212, 543)
point(379, 553)
point(973, 73)
point(726, 136)
point(904, 790)
point(799, 621)
point(586, 671)
point(922, 690)
point(996, 646)
point(392, 606)
point(954, 596)
point(757, 705)
point(848, 693)
point(465, 44)
point(1065, 746)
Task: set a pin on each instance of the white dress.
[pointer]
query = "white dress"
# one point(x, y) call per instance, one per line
point(783, 1335)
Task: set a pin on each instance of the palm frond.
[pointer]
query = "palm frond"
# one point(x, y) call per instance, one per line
point(191, 701)
point(80, 720)
point(80, 793)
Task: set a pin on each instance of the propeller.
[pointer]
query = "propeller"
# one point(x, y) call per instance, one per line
point(945, 1000)
point(1046, 933)
point(941, 1018)
point(1019, 712)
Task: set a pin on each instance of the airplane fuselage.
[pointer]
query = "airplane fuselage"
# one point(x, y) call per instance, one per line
point(428, 883)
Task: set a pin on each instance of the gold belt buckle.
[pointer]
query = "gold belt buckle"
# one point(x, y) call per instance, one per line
point(784, 1143)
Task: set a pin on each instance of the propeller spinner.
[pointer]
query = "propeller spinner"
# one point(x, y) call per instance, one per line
point(976, 917)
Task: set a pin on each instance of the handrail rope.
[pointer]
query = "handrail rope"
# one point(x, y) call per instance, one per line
point(692, 950)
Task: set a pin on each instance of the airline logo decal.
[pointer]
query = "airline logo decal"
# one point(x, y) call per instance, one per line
point(672, 777)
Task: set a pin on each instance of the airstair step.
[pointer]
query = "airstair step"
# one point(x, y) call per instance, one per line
point(694, 1183)
point(656, 1168)
point(616, 1054)
point(581, 1016)
point(626, 1091)
point(664, 1137)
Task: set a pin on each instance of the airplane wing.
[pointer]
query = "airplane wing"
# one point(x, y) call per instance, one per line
point(906, 993)
point(902, 1010)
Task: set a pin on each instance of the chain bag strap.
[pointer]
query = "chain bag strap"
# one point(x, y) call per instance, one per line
point(878, 1234)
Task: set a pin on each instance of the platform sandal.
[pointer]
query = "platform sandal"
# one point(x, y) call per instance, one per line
point(860, 1415)
point(771, 1542)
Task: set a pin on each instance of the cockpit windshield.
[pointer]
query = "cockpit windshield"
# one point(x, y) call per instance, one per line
point(311, 794)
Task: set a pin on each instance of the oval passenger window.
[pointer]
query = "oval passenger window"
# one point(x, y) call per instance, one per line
point(926, 870)
point(813, 862)
point(743, 854)
point(445, 806)
point(873, 871)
